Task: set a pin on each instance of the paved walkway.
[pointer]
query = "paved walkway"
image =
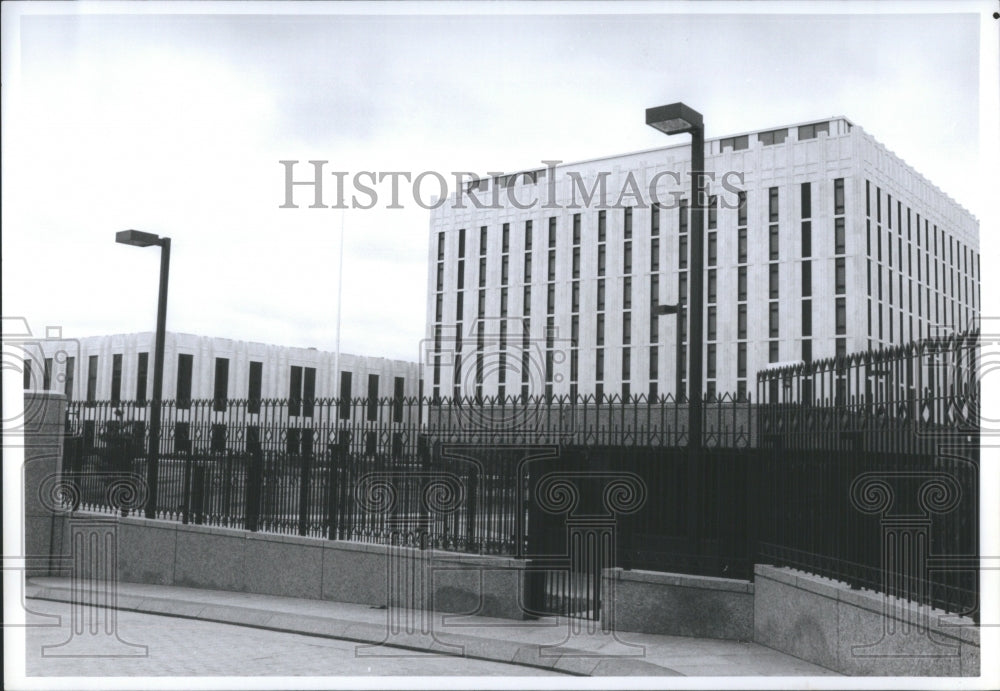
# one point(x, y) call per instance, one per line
point(554, 643)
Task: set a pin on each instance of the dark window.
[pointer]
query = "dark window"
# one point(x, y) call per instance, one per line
point(807, 355)
point(682, 252)
point(772, 243)
point(627, 293)
point(601, 259)
point(713, 212)
point(142, 376)
point(654, 255)
point(218, 438)
point(461, 242)
point(812, 131)
point(600, 329)
point(741, 211)
point(741, 283)
point(47, 374)
point(628, 223)
point(772, 137)
point(735, 143)
point(505, 246)
point(842, 317)
point(742, 246)
point(441, 246)
point(654, 220)
point(772, 320)
point(772, 352)
point(710, 364)
point(626, 328)
point(372, 397)
point(253, 387)
point(182, 437)
point(602, 226)
point(711, 323)
point(482, 272)
point(741, 321)
point(116, 378)
point(806, 279)
point(27, 374)
point(600, 294)
point(807, 317)
point(840, 283)
point(806, 238)
point(712, 285)
point(70, 371)
point(772, 204)
point(576, 229)
point(482, 241)
point(91, 379)
point(527, 235)
point(806, 200)
point(185, 369)
point(741, 359)
point(712, 249)
point(838, 196)
point(397, 395)
point(308, 390)
point(839, 246)
point(344, 404)
point(295, 390)
point(626, 364)
point(221, 383)
point(772, 283)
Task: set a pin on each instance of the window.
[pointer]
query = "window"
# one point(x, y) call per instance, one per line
point(772, 243)
point(807, 317)
point(576, 262)
point(840, 282)
point(461, 242)
point(806, 238)
point(344, 404)
point(713, 212)
point(600, 295)
point(806, 198)
point(27, 374)
point(839, 246)
point(600, 329)
point(712, 285)
point(505, 238)
point(741, 321)
point(308, 390)
point(654, 255)
point(441, 246)
point(736, 143)
point(742, 246)
point(70, 371)
point(253, 386)
point(627, 293)
point(116, 378)
point(482, 272)
point(772, 320)
point(47, 374)
point(806, 279)
point(772, 283)
point(711, 323)
point(626, 364)
point(575, 296)
point(576, 229)
point(221, 383)
point(654, 220)
point(185, 368)
point(527, 236)
point(682, 252)
point(838, 196)
point(741, 283)
point(772, 352)
point(712, 249)
point(772, 137)
point(772, 204)
point(628, 223)
point(741, 360)
point(807, 354)
point(602, 226)
point(741, 211)
point(812, 131)
point(841, 316)
point(295, 390)
point(483, 236)
point(601, 260)
point(372, 402)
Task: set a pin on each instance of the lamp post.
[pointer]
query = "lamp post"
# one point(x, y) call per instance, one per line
point(678, 118)
point(137, 238)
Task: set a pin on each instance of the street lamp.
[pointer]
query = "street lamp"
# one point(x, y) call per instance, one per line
point(677, 118)
point(137, 238)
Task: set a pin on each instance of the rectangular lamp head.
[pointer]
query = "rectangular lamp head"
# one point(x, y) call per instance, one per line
point(674, 118)
point(137, 238)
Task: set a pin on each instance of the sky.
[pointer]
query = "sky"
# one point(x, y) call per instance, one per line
point(156, 118)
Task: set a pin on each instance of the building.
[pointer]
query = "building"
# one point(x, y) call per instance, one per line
point(118, 368)
point(819, 242)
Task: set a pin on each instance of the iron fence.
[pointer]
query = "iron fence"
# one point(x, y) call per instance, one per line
point(798, 479)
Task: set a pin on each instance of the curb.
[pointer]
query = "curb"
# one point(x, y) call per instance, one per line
point(567, 660)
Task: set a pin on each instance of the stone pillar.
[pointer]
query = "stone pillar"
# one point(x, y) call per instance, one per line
point(44, 425)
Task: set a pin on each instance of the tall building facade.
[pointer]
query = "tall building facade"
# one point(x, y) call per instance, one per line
point(119, 368)
point(818, 242)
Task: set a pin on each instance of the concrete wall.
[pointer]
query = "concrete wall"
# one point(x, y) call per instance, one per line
point(858, 632)
point(43, 426)
point(167, 553)
point(678, 605)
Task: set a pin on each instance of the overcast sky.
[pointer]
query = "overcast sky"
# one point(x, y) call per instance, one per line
point(175, 124)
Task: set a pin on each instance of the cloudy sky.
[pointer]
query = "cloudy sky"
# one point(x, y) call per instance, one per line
point(144, 116)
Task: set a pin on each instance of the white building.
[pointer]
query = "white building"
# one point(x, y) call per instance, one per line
point(819, 241)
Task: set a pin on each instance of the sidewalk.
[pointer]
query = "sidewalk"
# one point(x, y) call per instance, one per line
point(556, 643)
